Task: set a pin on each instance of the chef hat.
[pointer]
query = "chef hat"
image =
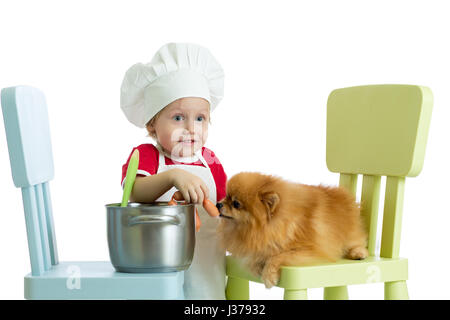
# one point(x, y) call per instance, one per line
point(176, 71)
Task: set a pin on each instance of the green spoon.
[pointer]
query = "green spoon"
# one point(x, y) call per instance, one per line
point(130, 177)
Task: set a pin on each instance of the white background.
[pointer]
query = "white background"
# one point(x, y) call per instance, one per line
point(281, 60)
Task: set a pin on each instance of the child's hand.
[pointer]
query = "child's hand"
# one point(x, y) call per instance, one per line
point(191, 187)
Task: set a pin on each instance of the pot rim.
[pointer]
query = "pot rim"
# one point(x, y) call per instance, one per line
point(156, 204)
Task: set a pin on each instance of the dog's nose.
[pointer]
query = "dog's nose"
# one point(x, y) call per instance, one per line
point(219, 205)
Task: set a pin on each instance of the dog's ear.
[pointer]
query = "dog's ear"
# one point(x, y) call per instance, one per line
point(270, 201)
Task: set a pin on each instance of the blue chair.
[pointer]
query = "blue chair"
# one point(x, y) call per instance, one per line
point(30, 152)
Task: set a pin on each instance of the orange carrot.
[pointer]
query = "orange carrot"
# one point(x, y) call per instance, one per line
point(198, 223)
point(177, 196)
point(172, 201)
point(210, 208)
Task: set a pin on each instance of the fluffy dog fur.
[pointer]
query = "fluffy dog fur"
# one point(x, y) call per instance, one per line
point(270, 222)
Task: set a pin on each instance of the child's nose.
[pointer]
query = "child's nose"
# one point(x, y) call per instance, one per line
point(192, 127)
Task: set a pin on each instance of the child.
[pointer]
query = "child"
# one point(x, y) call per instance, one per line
point(172, 97)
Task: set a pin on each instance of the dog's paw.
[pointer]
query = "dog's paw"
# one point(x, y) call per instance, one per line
point(357, 253)
point(270, 275)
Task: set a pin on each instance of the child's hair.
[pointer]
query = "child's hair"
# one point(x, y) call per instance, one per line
point(152, 121)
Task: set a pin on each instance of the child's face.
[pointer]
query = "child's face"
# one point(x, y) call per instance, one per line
point(182, 126)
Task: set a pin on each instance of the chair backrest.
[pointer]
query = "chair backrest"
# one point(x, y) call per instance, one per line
point(378, 130)
point(30, 153)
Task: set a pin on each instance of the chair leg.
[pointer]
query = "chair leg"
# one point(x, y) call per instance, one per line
point(335, 293)
point(300, 294)
point(237, 289)
point(396, 290)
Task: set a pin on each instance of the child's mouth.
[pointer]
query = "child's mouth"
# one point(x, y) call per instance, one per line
point(188, 142)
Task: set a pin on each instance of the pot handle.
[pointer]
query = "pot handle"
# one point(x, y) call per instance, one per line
point(148, 219)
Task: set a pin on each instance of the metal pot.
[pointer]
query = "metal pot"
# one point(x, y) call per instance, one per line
point(153, 237)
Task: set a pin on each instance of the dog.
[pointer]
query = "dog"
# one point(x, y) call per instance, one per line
point(270, 222)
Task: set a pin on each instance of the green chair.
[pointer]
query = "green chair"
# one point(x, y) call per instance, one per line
point(376, 130)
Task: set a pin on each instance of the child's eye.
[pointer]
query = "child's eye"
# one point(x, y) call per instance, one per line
point(177, 118)
point(200, 118)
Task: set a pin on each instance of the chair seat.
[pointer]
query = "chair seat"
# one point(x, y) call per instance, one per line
point(340, 273)
point(99, 280)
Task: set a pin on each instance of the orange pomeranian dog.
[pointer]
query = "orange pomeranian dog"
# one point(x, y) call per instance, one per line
point(270, 222)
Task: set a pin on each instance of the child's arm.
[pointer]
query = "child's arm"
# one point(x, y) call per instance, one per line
point(148, 189)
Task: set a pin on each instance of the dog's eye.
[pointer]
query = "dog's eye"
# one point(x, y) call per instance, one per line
point(236, 204)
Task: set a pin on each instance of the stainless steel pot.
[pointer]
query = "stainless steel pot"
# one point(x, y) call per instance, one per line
point(152, 237)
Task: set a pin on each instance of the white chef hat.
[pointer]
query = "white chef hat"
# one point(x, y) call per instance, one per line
point(176, 71)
